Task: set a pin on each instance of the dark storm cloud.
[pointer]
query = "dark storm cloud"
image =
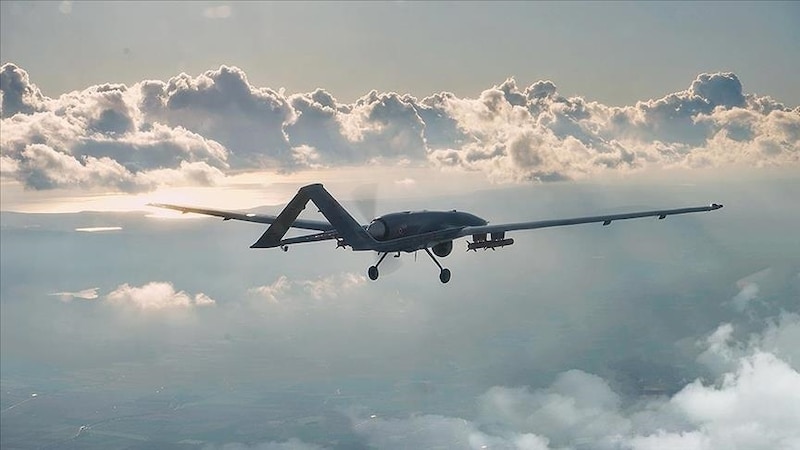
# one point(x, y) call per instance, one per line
point(219, 121)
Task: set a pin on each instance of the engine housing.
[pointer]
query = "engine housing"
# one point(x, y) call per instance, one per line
point(443, 249)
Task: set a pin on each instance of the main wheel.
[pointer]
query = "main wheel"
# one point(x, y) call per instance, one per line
point(373, 273)
point(444, 275)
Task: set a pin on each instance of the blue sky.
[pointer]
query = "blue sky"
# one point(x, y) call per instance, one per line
point(615, 53)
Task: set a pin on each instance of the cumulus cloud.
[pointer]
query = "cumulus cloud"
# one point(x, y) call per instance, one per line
point(222, 105)
point(756, 405)
point(19, 95)
point(218, 119)
point(750, 399)
point(98, 138)
point(156, 296)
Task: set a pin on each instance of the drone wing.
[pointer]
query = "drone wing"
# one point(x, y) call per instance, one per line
point(605, 220)
point(317, 225)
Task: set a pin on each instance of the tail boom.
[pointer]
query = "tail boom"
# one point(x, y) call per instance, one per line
point(351, 231)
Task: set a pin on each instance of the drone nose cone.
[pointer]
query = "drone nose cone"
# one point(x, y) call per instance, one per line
point(716, 206)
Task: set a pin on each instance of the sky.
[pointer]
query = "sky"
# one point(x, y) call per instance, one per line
point(614, 53)
point(123, 327)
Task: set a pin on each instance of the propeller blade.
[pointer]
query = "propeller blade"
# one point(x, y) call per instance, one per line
point(365, 200)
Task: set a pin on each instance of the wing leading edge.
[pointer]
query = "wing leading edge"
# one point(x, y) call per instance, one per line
point(317, 225)
point(606, 220)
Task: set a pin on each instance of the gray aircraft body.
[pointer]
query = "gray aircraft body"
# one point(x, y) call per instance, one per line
point(431, 231)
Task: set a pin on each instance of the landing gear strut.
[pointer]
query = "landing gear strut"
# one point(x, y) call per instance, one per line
point(444, 274)
point(372, 272)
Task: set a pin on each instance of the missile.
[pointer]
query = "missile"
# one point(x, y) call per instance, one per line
point(489, 244)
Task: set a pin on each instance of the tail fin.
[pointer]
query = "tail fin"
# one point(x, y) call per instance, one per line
point(272, 237)
point(354, 234)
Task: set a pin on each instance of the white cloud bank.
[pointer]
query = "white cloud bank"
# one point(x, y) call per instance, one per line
point(193, 130)
point(750, 402)
point(755, 405)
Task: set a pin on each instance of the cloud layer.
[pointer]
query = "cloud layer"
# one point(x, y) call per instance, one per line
point(676, 334)
point(193, 130)
point(756, 405)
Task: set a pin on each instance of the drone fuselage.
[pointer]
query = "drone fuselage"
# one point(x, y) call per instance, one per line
point(410, 223)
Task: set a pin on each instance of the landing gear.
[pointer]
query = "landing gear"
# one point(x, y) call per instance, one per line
point(444, 274)
point(372, 272)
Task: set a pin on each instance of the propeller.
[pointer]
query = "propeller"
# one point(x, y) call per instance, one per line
point(365, 201)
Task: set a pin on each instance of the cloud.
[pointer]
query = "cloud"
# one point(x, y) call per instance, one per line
point(217, 12)
point(332, 286)
point(97, 229)
point(326, 287)
point(19, 95)
point(510, 133)
point(754, 406)
point(748, 289)
point(757, 406)
point(749, 400)
point(65, 7)
point(222, 105)
point(722, 351)
point(98, 138)
point(86, 294)
point(434, 431)
point(274, 291)
point(511, 356)
point(156, 296)
point(291, 444)
point(577, 407)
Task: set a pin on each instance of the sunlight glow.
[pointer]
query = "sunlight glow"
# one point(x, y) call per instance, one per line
point(244, 191)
